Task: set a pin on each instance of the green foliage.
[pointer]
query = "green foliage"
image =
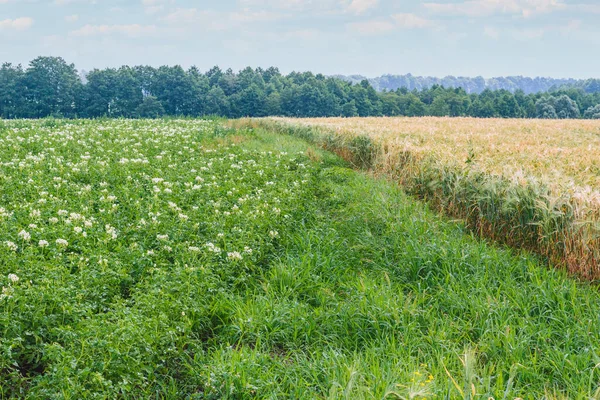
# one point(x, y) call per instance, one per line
point(364, 151)
point(150, 107)
point(566, 108)
point(545, 108)
point(349, 109)
point(112, 93)
point(593, 112)
point(11, 91)
point(51, 87)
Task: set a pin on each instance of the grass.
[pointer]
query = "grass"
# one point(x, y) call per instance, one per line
point(351, 289)
point(531, 184)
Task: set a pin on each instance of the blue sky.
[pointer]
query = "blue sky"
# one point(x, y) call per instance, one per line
point(558, 38)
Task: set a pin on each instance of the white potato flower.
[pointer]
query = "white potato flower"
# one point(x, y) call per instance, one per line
point(234, 255)
point(26, 236)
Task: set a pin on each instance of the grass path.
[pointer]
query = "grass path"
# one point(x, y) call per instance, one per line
point(364, 293)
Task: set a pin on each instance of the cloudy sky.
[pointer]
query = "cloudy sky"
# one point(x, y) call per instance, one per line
point(558, 38)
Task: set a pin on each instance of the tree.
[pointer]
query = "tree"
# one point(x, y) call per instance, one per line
point(507, 106)
point(391, 104)
point(458, 102)
point(112, 93)
point(526, 104)
point(213, 75)
point(11, 91)
point(145, 76)
point(482, 108)
point(270, 74)
point(200, 87)
point(566, 108)
point(415, 107)
point(248, 77)
point(361, 100)
point(51, 88)
point(228, 82)
point(439, 107)
point(592, 86)
point(216, 102)
point(349, 109)
point(176, 90)
point(99, 93)
point(150, 108)
point(545, 108)
point(592, 112)
point(273, 104)
point(310, 99)
point(249, 102)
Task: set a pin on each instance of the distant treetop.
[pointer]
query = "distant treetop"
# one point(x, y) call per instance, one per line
point(477, 84)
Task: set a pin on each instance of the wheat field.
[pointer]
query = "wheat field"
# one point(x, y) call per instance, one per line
point(532, 184)
point(563, 153)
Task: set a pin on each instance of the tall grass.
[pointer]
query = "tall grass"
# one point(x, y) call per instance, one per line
point(528, 212)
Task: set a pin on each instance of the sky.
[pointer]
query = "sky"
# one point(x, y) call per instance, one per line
point(552, 38)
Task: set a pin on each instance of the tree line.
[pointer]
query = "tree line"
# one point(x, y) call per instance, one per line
point(49, 86)
point(477, 84)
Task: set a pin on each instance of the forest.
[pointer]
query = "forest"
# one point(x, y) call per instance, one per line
point(49, 86)
point(477, 84)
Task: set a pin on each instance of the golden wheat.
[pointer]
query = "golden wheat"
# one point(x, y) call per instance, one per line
point(541, 186)
point(562, 152)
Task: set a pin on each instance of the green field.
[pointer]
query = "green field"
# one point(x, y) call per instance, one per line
point(182, 259)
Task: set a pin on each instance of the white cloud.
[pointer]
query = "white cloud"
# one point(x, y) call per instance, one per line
point(361, 6)
point(18, 24)
point(133, 30)
point(411, 21)
point(72, 18)
point(483, 8)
